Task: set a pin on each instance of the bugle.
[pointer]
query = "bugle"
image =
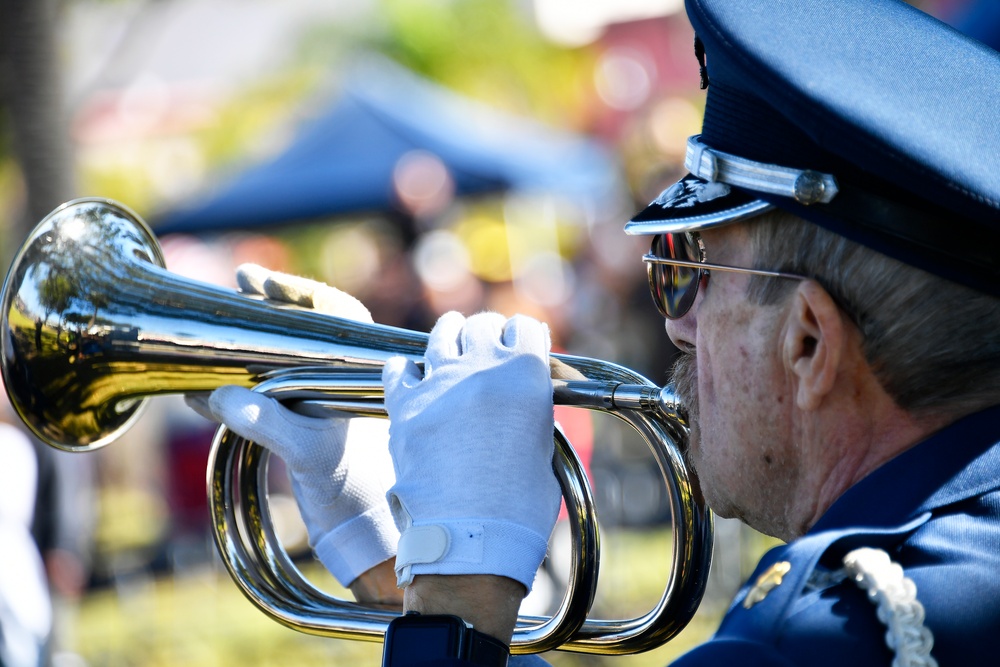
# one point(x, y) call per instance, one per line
point(93, 325)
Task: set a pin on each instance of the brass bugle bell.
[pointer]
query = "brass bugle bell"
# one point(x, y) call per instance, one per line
point(93, 324)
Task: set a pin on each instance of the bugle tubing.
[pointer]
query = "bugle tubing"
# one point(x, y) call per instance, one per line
point(93, 325)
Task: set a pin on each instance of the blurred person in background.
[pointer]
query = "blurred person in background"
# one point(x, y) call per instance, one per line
point(830, 270)
point(46, 520)
point(25, 604)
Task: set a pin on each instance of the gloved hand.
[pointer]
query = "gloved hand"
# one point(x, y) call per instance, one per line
point(255, 279)
point(339, 468)
point(471, 442)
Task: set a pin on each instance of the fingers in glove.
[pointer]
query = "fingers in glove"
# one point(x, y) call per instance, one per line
point(482, 333)
point(526, 334)
point(288, 288)
point(250, 278)
point(266, 422)
point(332, 301)
point(368, 441)
point(443, 343)
point(291, 289)
point(299, 291)
point(199, 403)
point(400, 372)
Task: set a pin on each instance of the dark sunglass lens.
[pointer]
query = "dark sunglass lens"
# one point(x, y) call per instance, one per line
point(674, 287)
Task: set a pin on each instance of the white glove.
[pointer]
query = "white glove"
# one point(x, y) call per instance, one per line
point(471, 442)
point(340, 468)
point(255, 279)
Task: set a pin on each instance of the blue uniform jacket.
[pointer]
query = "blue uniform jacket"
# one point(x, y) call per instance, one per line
point(936, 510)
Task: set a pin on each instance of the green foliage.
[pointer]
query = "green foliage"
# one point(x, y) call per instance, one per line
point(492, 52)
point(243, 122)
point(487, 49)
point(56, 292)
point(237, 131)
point(200, 618)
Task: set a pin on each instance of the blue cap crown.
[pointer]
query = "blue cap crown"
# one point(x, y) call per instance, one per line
point(867, 117)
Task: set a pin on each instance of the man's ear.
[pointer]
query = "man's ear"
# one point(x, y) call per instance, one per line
point(813, 345)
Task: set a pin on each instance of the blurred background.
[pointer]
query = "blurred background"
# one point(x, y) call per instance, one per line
point(423, 155)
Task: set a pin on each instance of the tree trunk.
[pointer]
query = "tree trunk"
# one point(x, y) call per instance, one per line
point(32, 93)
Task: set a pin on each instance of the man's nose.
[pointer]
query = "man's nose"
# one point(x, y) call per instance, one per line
point(682, 330)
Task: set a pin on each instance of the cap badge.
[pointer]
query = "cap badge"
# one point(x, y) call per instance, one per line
point(689, 191)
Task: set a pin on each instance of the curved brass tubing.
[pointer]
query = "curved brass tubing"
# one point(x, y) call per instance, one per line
point(93, 324)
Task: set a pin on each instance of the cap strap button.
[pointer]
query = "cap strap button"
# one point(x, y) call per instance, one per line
point(809, 187)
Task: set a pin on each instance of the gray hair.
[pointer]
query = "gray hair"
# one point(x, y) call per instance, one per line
point(932, 343)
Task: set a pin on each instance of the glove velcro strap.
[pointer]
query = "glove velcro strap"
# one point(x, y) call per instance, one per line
point(470, 547)
point(358, 545)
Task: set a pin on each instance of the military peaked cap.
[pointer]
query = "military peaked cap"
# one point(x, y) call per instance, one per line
point(869, 118)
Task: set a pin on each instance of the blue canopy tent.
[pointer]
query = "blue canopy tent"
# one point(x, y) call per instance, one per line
point(343, 160)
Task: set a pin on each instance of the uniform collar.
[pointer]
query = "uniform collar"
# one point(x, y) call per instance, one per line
point(956, 463)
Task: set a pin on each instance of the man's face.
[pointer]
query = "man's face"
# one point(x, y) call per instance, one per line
point(733, 381)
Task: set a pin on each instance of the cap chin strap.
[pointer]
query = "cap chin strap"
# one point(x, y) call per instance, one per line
point(803, 185)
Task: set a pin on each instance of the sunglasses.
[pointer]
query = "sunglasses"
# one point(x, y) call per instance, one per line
point(676, 266)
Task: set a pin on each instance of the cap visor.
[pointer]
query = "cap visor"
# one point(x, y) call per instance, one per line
point(691, 204)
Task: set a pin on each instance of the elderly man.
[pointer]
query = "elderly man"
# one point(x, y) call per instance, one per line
point(831, 269)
